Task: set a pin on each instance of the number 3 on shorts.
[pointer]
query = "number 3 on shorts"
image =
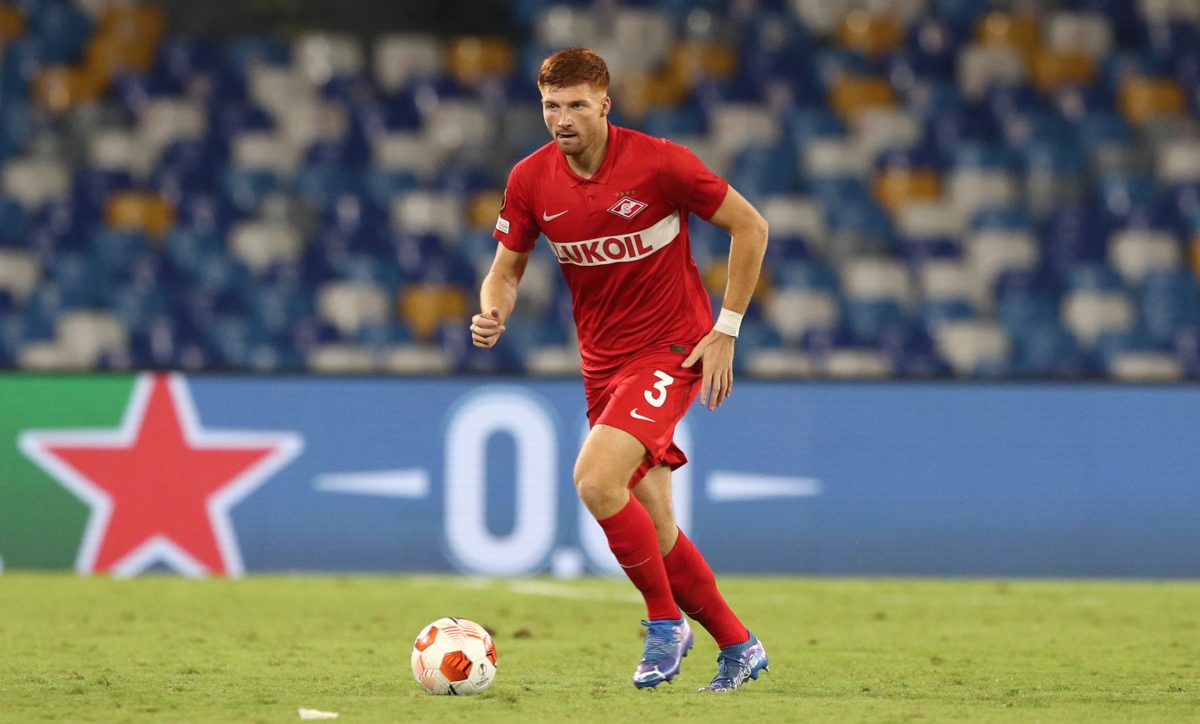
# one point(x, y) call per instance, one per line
point(660, 387)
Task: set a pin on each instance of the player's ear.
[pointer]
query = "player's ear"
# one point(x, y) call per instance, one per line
point(605, 106)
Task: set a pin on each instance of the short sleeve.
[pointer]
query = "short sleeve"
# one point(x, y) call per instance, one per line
point(688, 184)
point(516, 227)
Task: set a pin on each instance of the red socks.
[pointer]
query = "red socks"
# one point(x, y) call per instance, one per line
point(695, 588)
point(633, 541)
point(682, 576)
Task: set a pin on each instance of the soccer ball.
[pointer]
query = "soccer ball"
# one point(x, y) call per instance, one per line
point(454, 656)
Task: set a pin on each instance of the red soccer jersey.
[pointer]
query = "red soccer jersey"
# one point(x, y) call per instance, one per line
point(621, 239)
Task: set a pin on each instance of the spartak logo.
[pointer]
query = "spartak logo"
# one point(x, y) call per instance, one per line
point(160, 487)
point(627, 207)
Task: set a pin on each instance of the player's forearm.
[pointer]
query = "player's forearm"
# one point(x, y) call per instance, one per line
point(499, 293)
point(746, 251)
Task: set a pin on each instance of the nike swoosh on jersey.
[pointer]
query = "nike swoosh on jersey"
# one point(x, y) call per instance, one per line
point(634, 414)
point(552, 217)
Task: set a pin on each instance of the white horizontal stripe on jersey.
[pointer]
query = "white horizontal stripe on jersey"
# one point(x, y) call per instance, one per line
point(615, 249)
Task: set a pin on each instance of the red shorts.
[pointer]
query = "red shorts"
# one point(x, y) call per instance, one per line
point(646, 398)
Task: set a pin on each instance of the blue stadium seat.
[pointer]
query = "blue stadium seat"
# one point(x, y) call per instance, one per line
point(805, 124)
point(912, 352)
point(1169, 300)
point(63, 29)
point(112, 250)
point(134, 89)
point(1009, 218)
point(183, 59)
point(229, 118)
point(240, 54)
point(676, 122)
point(93, 186)
point(1074, 235)
point(320, 184)
point(934, 312)
point(19, 63)
point(14, 222)
point(871, 320)
point(812, 274)
point(1186, 344)
point(382, 185)
point(245, 188)
point(760, 171)
point(984, 155)
point(1048, 350)
point(1095, 277)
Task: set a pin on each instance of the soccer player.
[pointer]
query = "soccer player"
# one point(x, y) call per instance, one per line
point(614, 205)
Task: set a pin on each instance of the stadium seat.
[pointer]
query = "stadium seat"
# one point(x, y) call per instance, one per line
point(83, 336)
point(261, 244)
point(971, 345)
point(34, 181)
point(1088, 314)
point(147, 213)
point(471, 59)
point(427, 213)
point(1138, 366)
point(982, 67)
point(793, 311)
point(990, 253)
point(19, 273)
point(425, 307)
point(872, 34)
point(320, 57)
point(1135, 252)
point(853, 95)
point(350, 305)
point(399, 58)
point(337, 358)
point(1144, 99)
point(1168, 301)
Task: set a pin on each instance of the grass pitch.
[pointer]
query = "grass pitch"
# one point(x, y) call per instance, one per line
point(164, 649)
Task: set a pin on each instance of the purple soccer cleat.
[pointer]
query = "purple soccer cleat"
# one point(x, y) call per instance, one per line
point(738, 664)
point(667, 642)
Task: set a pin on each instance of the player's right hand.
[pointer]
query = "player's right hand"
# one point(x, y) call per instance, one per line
point(486, 328)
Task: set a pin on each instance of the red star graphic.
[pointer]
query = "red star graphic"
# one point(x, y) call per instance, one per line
point(160, 487)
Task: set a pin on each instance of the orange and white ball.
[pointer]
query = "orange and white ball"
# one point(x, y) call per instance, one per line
point(454, 656)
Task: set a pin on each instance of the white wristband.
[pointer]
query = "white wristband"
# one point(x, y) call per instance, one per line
point(728, 322)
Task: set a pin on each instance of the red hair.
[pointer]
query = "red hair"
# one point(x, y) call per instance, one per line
point(574, 66)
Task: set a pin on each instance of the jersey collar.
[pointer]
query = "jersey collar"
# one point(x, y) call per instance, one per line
point(615, 137)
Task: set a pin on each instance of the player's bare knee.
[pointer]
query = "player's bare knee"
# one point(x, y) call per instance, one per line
point(602, 494)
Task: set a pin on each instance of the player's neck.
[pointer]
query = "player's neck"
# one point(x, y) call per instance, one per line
point(588, 163)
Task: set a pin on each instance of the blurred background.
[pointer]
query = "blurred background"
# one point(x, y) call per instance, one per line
point(956, 188)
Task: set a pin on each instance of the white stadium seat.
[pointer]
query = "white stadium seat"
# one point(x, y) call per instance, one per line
point(1089, 314)
point(19, 273)
point(259, 244)
point(34, 181)
point(966, 345)
point(426, 212)
point(83, 336)
point(350, 305)
point(400, 58)
point(321, 56)
point(980, 67)
point(795, 311)
point(1134, 252)
point(871, 278)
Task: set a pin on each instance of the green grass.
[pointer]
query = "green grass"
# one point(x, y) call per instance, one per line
point(164, 649)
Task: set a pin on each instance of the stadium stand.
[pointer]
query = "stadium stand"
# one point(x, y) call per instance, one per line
point(966, 188)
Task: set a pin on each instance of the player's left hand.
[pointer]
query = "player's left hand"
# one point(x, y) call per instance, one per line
point(715, 353)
